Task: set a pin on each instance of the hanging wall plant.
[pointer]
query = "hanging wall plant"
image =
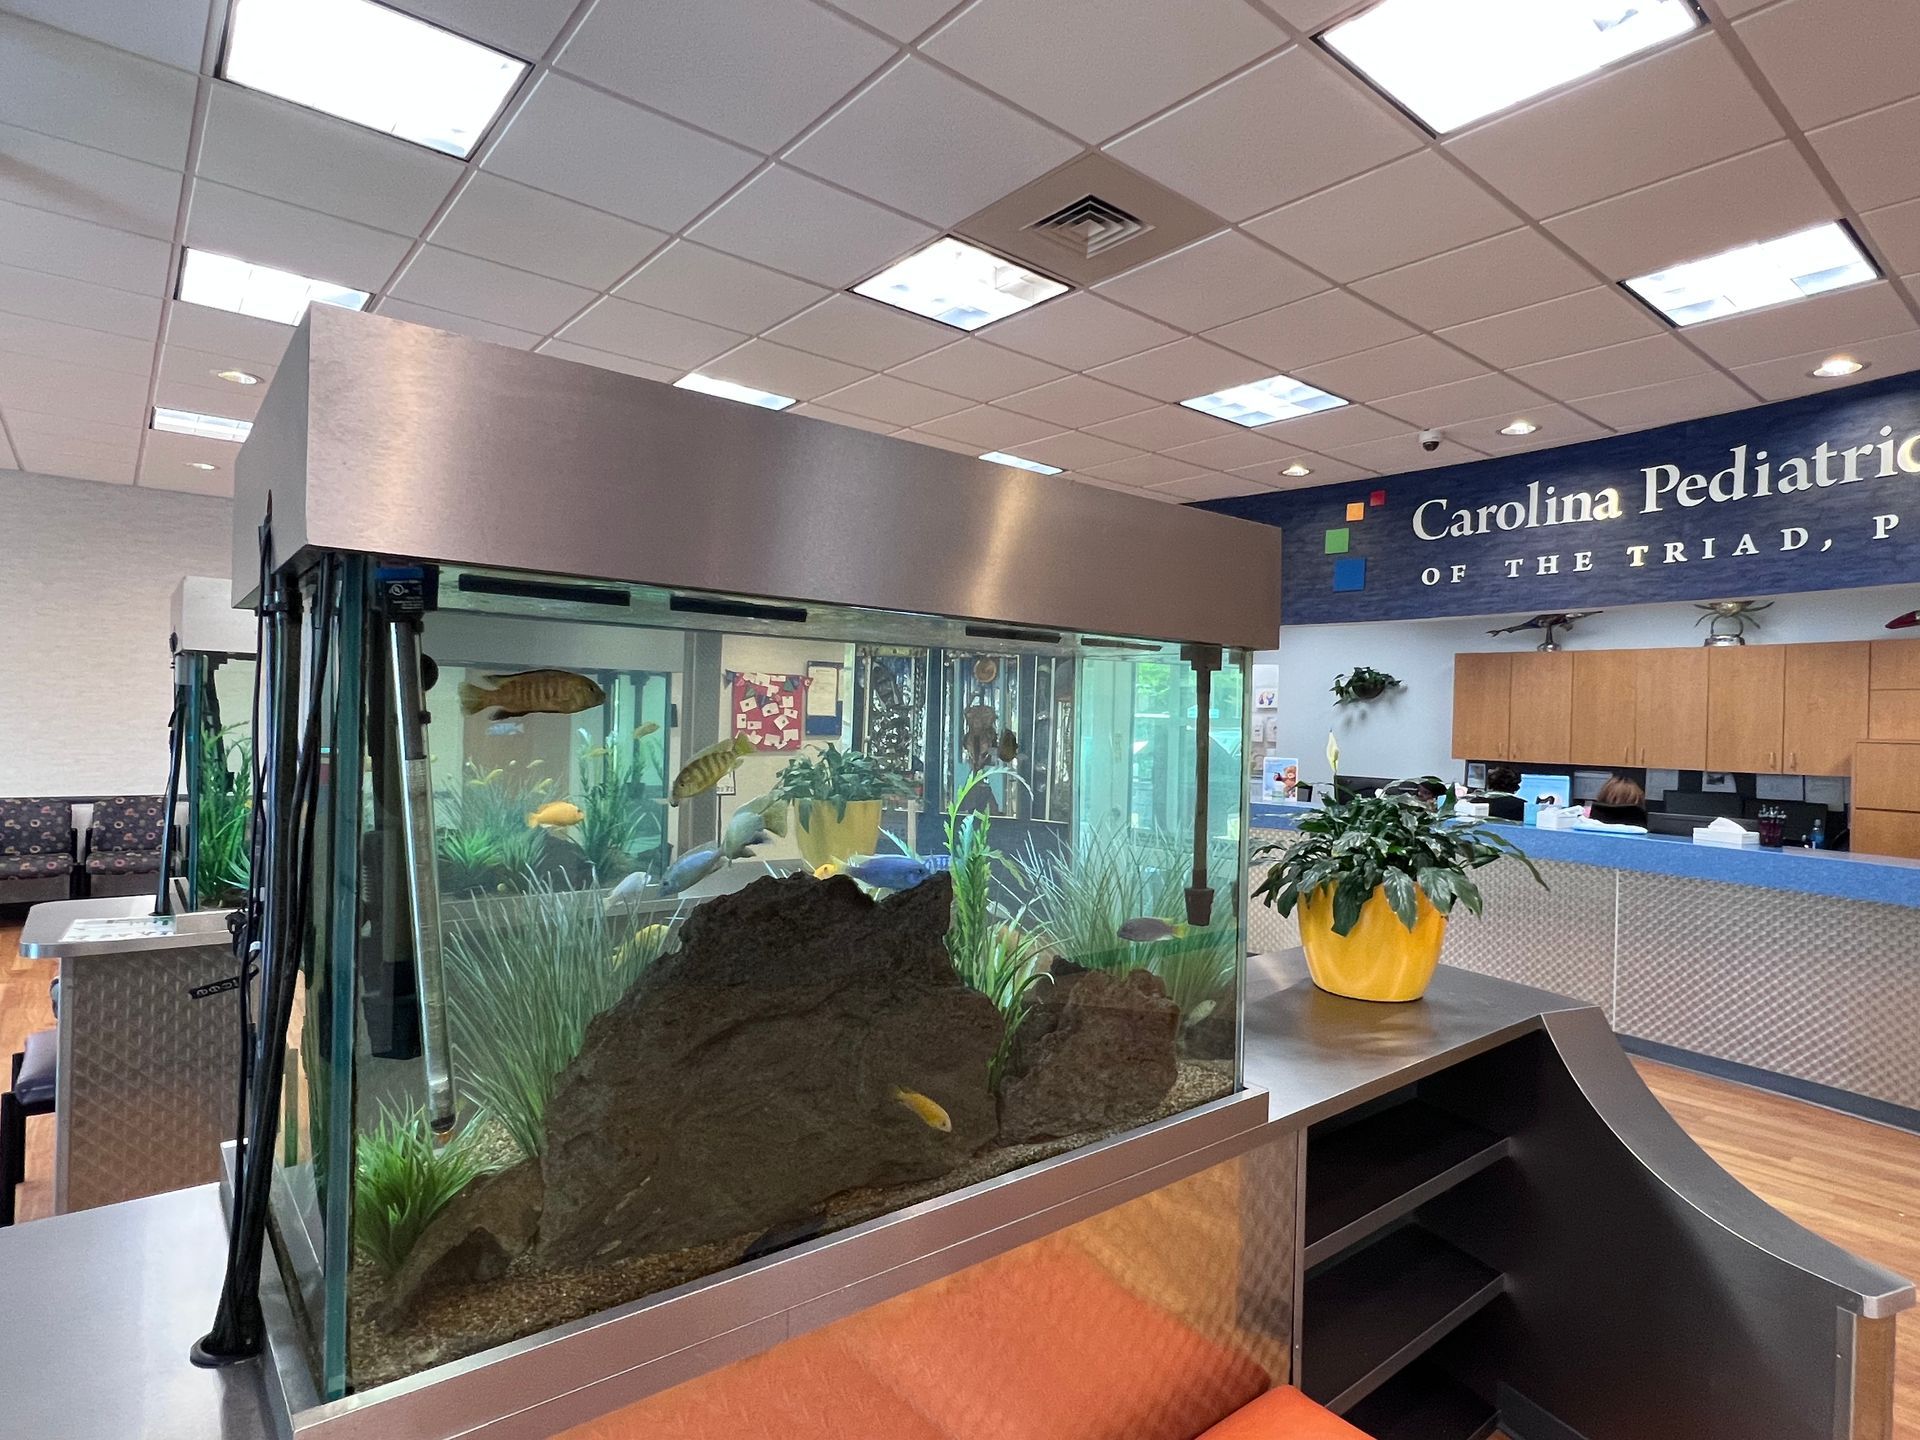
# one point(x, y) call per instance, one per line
point(1362, 683)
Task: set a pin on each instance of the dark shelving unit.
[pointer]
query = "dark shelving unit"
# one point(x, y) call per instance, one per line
point(1424, 1403)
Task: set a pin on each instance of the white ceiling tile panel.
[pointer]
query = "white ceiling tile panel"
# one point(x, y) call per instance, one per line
point(1104, 64)
point(977, 370)
point(265, 231)
point(969, 149)
point(168, 464)
point(988, 427)
point(1828, 59)
point(938, 442)
point(1331, 429)
point(185, 365)
point(690, 279)
point(866, 333)
point(1613, 368)
point(209, 397)
point(1896, 231)
point(1236, 451)
point(471, 325)
point(764, 365)
point(1076, 400)
point(642, 333)
point(500, 219)
point(1147, 470)
point(1160, 428)
point(1871, 155)
point(902, 19)
point(1684, 398)
point(1326, 471)
point(170, 31)
point(603, 152)
point(756, 73)
point(1485, 278)
point(1792, 375)
point(606, 360)
point(519, 27)
point(58, 429)
point(1391, 369)
point(798, 224)
point(1211, 487)
point(1558, 426)
point(1387, 457)
point(56, 387)
point(81, 250)
point(841, 417)
point(1224, 277)
point(1834, 320)
point(1080, 331)
point(887, 397)
point(1309, 16)
point(1321, 327)
point(1604, 315)
point(80, 90)
point(108, 469)
point(97, 307)
point(97, 185)
point(1225, 149)
point(1460, 402)
point(1075, 451)
point(243, 337)
point(1184, 370)
point(448, 280)
point(123, 354)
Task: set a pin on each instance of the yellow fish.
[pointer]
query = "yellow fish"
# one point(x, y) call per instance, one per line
point(709, 768)
point(644, 942)
point(645, 730)
point(826, 871)
point(532, 692)
point(555, 815)
point(931, 1112)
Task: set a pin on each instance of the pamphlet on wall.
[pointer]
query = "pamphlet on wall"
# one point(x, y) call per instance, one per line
point(1779, 787)
point(1661, 781)
point(1827, 790)
point(1278, 777)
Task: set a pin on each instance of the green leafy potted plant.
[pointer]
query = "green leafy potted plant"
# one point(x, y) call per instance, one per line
point(837, 797)
point(1375, 878)
point(1362, 683)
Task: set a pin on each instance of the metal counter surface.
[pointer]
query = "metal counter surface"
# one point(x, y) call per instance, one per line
point(43, 937)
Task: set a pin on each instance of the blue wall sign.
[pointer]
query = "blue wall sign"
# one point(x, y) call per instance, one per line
point(1818, 493)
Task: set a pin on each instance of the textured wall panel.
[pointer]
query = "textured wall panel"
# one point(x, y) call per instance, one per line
point(1558, 939)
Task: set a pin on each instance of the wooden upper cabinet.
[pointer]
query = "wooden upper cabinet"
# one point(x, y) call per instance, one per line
point(1886, 776)
point(1670, 708)
point(1601, 728)
point(1481, 688)
point(1825, 707)
point(1540, 706)
point(1746, 707)
point(1896, 664)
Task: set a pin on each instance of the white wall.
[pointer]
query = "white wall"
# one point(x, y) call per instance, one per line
point(87, 574)
point(1409, 731)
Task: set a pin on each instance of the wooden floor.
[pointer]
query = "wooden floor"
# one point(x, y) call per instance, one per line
point(1856, 1183)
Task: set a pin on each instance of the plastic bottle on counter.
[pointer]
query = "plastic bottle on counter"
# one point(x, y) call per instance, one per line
point(1817, 837)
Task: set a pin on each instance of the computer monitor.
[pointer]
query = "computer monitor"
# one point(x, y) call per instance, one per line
point(1703, 802)
point(1684, 823)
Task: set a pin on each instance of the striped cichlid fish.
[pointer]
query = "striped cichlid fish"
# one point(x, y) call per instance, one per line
point(709, 767)
point(532, 692)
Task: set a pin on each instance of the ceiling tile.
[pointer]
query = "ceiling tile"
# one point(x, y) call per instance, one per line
point(987, 427)
point(244, 337)
point(80, 250)
point(758, 74)
point(448, 280)
point(1080, 331)
point(1161, 428)
point(606, 360)
point(1685, 398)
point(1105, 64)
point(96, 185)
point(1331, 429)
point(57, 387)
point(270, 147)
point(643, 333)
point(1585, 321)
point(886, 397)
point(1792, 375)
point(1321, 327)
point(921, 437)
point(1395, 369)
point(1766, 192)
point(902, 19)
point(58, 428)
point(1222, 278)
point(471, 325)
point(841, 417)
point(271, 232)
point(1833, 320)
point(781, 371)
point(1871, 155)
point(1181, 371)
point(865, 333)
point(1828, 59)
point(98, 307)
point(795, 222)
point(168, 464)
point(690, 279)
point(603, 152)
point(1075, 451)
point(182, 364)
point(977, 370)
point(1485, 278)
point(1612, 368)
point(1331, 131)
point(1401, 212)
point(1237, 451)
point(969, 149)
point(1558, 426)
point(7, 459)
point(1211, 487)
point(170, 31)
point(208, 397)
point(1896, 231)
point(1676, 109)
point(1146, 470)
point(1075, 400)
point(77, 464)
point(520, 27)
point(1326, 471)
point(1390, 457)
point(500, 219)
point(79, 90)
point(1461, 401)
point(102, 349)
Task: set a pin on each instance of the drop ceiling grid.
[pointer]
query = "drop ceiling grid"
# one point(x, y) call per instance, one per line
point(917, 56)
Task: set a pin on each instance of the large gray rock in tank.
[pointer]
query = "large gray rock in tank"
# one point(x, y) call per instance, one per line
point(476, 1237)
point(1098, 1050)
point(751, 1074)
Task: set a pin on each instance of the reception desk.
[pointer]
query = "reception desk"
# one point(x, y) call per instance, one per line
point(1793, 969)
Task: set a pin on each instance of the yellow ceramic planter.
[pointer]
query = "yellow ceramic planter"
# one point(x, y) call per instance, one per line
point(827, 837)
point(1379, 959)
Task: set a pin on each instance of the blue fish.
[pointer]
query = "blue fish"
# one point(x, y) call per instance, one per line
point(691, 868)
point(889, 872)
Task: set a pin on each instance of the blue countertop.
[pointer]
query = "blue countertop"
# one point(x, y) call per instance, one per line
point(1878, 878)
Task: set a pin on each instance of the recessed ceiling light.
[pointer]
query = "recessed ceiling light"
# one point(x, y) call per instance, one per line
point(237, 377)
point(1261, 402)
point(1000, 457)
point(201, 465)
point(959, 285)
point(1519, 427)
point(1838, 365)
point(1451, 62)
point(1747, 277)
point(1296, 471)
point(727, 390)
point(372, 65)
point(207, 427)
point(258, 290)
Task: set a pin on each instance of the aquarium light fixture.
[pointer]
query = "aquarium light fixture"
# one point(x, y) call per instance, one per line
point(727, 390)
point(1749, 277)
point(1000, 457)
point(258, 290)
point(1261, 402)
point(1451, 62)
point(372, 65)
point(207, 427)
point(1836, 366)
point(959, 285)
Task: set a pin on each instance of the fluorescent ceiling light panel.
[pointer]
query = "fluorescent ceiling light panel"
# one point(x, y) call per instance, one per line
point(372, 65)
point(727, 390)
point(1262, 402)
point(959, 285)
point(258, 290)
point(1000, 457)
point(207, 427)
point(1451, 62)
point(1748, 277)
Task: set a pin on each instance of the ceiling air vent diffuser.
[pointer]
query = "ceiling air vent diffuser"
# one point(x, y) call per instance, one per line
point(1089, 226)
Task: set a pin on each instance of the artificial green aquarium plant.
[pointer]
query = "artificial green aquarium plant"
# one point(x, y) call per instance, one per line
point(404, 1176)
point(1362, 683)
point(222, 837)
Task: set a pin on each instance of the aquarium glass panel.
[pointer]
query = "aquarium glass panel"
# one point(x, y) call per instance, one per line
point(219, 777)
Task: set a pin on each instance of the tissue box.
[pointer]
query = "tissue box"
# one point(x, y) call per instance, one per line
point(1562, 818)
point(1727, 839)
point(1471, 809)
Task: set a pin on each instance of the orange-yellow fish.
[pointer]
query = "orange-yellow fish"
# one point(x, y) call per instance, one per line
point(930, 1112)
point(555, 815)
point(532, 692)
point(826, 871)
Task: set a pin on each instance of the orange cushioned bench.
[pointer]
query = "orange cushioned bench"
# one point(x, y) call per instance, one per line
point(1038, 1344)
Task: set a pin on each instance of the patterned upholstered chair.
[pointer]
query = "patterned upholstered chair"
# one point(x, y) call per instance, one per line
point(123, 844)
point(36, 851)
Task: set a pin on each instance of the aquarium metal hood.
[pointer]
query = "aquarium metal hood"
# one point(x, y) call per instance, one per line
point(205, 621)
point(390, 438)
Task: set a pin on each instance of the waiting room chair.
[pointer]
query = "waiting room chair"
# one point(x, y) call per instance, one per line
point(36, 850)
point(34, 1080)
point(123, 844)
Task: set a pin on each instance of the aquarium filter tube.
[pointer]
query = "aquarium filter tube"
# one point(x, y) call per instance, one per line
point(1205, 659)
point(170, 801)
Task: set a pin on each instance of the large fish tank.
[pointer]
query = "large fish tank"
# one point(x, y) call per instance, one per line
point(826, 837)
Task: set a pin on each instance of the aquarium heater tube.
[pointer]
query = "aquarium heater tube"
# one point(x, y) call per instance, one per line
point(1204, 659)
point(170, 801)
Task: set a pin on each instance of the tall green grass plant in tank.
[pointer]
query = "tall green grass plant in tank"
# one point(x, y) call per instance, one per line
point(485, 843)
point(222, 838)
point(621, 786)
point(403, 1178)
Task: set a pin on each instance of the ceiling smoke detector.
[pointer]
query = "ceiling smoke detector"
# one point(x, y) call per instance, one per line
point(1089, 226)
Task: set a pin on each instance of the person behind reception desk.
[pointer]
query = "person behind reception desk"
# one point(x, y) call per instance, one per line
point(1502, 802)
point(1620, 802)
